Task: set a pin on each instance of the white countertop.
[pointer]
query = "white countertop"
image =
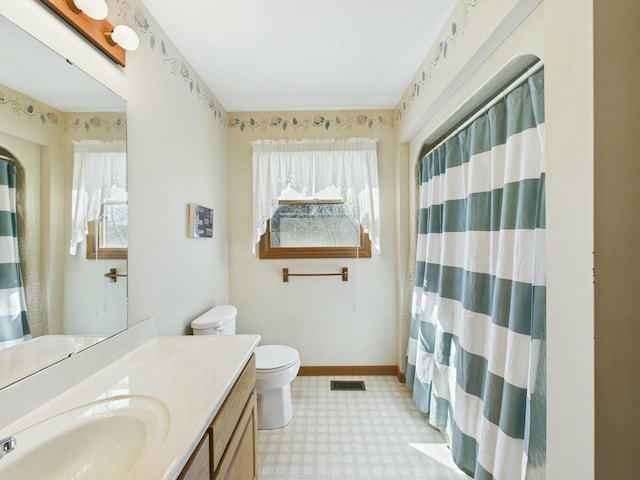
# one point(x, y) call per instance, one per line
point(190, 375)
point(25, 358)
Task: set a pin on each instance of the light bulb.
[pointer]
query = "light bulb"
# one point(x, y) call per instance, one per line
point(96, 9)
point(124, 36)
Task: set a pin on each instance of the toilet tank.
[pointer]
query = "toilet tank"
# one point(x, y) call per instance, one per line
point(220, 320)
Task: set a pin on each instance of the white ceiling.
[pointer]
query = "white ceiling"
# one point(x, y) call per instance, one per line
point(258, 55)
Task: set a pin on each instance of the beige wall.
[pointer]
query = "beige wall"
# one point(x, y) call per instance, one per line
point(330, 322)
point(569, 160)
point(617, 233)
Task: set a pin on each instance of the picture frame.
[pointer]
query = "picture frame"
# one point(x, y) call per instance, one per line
point(200, 221)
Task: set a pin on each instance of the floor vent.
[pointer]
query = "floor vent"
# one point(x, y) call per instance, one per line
point(346, 385)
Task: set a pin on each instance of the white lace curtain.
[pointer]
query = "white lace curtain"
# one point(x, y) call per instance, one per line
point(99, 174)
point(314, 170)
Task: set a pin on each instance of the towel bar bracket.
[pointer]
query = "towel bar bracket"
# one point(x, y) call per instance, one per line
point(113, 274)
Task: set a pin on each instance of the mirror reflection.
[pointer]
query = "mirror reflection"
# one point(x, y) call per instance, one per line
point(63, 215)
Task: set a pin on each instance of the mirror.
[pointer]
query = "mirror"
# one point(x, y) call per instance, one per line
point(47, 108)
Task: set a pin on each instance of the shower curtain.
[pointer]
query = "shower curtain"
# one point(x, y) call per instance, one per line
point(14, 327)
point(476, 355)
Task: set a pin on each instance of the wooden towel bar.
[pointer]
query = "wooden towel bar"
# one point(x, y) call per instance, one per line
point(344, 274)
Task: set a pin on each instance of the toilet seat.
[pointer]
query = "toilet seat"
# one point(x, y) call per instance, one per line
point(274, 358)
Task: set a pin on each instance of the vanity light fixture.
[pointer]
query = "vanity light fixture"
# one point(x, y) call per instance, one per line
point(96, 9)
point(88, 17)
point(124, 36)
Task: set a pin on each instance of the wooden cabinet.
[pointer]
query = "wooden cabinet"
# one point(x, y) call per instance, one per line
point(199, 465)
point(240, 459)
point(228, 451)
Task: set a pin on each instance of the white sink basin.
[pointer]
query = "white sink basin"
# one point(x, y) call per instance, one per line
point(100, 440)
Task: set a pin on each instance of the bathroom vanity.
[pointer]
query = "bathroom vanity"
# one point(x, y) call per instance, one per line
point(172, 408)
point(228, 448)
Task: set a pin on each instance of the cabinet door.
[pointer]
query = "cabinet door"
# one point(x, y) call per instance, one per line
point(240, 461)
point(225, 425)
point(199, 465)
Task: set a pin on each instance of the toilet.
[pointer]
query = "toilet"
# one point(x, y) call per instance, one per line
point(276, 367)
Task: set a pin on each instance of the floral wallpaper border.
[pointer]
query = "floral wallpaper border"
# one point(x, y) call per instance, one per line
point(423, 78)
point(179, 66)
point(305, 123)
point(60, 119)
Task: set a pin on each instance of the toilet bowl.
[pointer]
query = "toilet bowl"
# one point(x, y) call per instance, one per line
point(276, 367)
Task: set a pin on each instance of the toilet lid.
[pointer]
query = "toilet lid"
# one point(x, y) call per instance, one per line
point(275, 356)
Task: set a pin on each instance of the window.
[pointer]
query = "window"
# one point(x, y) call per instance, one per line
point(313, 229)
point(315, 198)
point(107, 237)
point(99, 196)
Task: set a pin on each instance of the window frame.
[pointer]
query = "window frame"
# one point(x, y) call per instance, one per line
point(94, 251)
point(267, 251)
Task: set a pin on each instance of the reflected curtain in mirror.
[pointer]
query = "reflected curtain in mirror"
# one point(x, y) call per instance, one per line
point(99, 177)
point(300, 185)
point(14, 326)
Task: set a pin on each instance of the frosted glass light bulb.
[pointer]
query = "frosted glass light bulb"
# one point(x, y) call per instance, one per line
point(96, 9)
point(125, 36)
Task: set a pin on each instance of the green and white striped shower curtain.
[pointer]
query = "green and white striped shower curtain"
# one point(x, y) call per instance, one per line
point(476, 355)
point(13, 311)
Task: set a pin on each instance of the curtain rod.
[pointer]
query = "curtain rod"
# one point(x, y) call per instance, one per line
point(505, 91)
point(8, 159)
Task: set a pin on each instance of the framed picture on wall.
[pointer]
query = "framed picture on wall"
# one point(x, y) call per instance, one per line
point(200, 221)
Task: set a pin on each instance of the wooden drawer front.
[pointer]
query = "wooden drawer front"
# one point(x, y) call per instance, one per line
point(198, 467)
point(228, 417)
point(240, 461)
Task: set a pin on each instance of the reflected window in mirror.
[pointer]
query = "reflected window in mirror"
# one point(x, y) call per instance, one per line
point(99, 180)
point(107, 238)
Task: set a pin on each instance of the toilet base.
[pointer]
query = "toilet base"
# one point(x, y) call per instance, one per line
point(274, 408)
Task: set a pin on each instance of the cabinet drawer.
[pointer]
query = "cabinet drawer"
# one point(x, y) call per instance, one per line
point(199, 465)
point(228, 417)
point(240, 460)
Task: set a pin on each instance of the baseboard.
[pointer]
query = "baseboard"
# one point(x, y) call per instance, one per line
point(316, 371)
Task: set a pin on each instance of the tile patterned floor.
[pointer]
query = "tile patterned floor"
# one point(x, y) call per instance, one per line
point(344, 435)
